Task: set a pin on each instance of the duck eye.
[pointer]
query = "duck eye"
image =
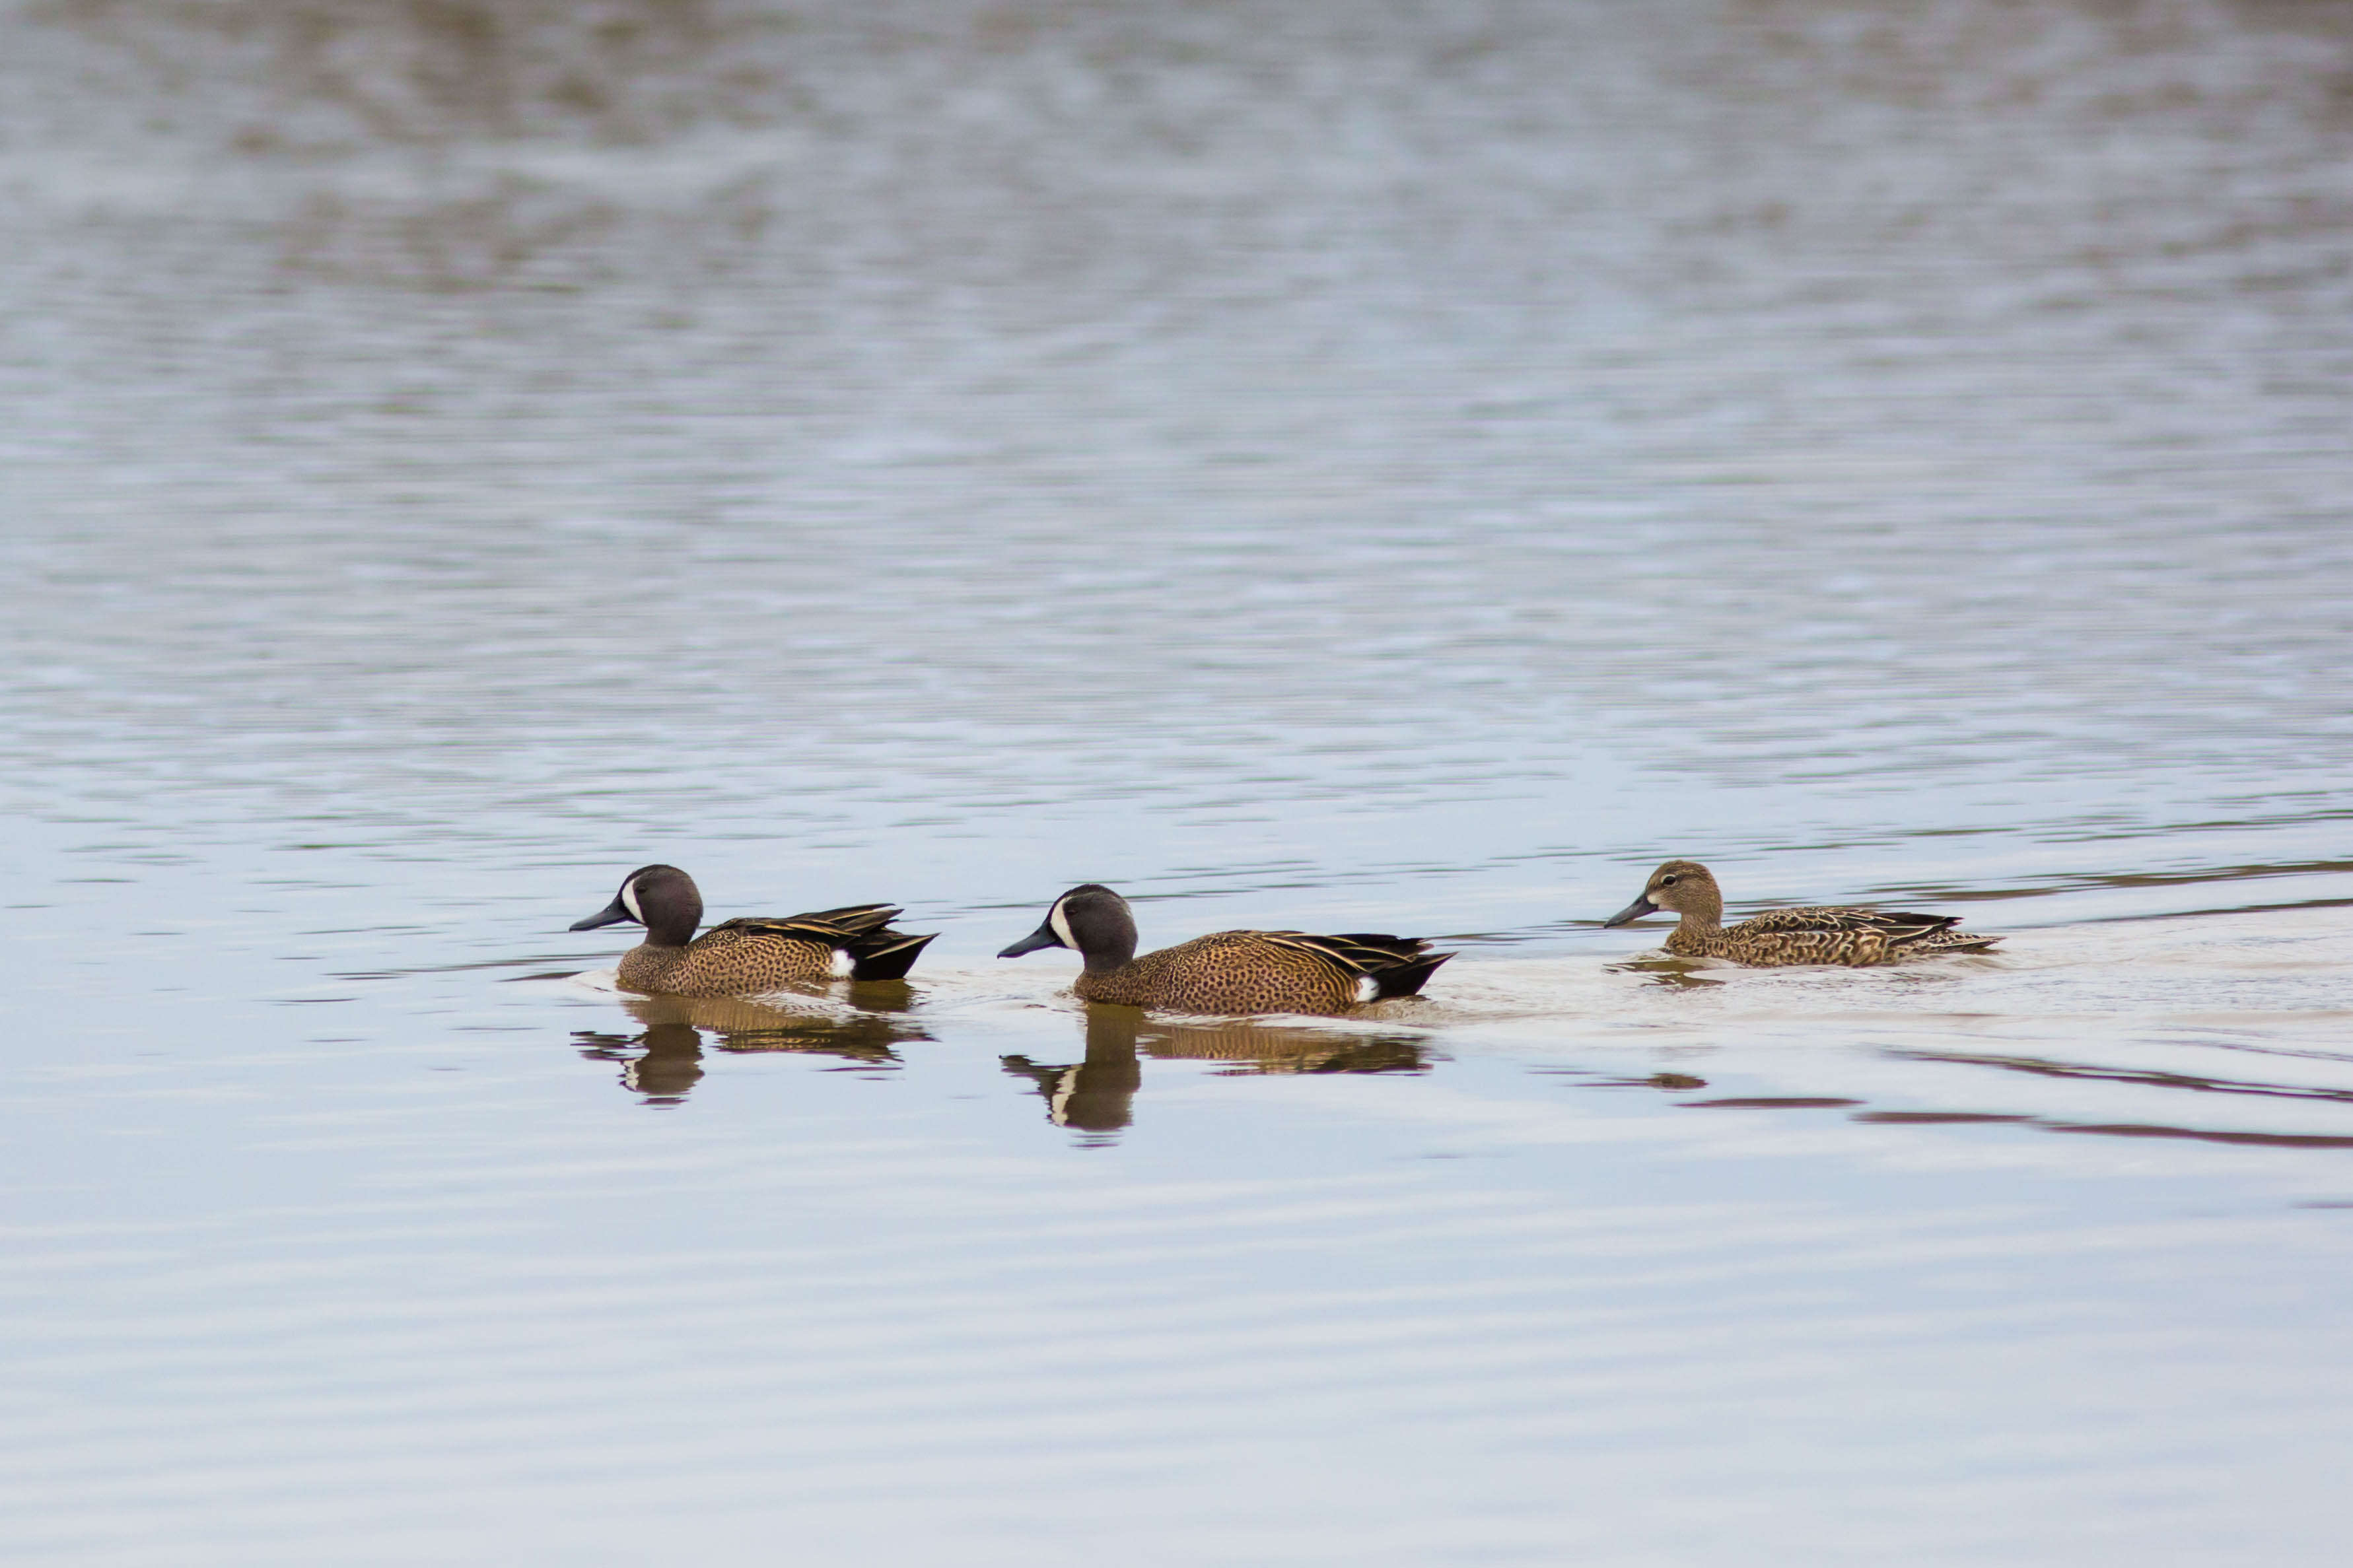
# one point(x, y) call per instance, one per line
point(1666, 881)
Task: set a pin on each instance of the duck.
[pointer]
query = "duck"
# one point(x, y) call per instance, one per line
point(1229, 972)
point(1856, 938)
point(746, 956)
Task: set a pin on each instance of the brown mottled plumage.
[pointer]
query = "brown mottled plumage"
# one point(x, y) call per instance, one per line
point(1856, 938)
point(746, 956)
point(1233, 972)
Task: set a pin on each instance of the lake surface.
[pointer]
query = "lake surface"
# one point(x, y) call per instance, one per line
point(1307, 465)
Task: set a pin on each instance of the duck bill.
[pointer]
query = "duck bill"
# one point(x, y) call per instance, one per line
point(1042, 937)
point(1631, 912)
point(613, 913)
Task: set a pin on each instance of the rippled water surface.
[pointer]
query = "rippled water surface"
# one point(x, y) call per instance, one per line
point(1308, 465)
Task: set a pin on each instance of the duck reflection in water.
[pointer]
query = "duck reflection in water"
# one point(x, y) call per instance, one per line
point(665, 1061)
point(1096, 1097)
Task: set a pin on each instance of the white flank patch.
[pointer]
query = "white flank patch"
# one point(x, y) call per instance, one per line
point(842, 963)
point(1060, 924)
point(1367, 987)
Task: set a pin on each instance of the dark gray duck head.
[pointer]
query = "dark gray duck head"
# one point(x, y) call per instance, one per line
point(1091, 921)
point(1685, 887)
point(662, 898)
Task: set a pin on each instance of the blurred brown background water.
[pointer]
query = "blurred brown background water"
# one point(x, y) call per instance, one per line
point(1343, 466)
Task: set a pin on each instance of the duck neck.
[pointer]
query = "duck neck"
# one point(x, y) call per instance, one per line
point(670, 929)
point(1105, 959)
point(1704, 914)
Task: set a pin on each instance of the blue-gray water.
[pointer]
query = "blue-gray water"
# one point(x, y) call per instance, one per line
point(1318, 465)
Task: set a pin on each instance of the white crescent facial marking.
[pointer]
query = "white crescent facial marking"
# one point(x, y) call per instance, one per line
point(1060, 924)
point(630, 901)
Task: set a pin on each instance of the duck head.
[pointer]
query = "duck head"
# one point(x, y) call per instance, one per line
point(662, 898)
point(1091, 921)
point(1685, 887)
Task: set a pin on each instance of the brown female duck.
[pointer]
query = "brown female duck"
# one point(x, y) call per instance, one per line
point(1857, 938)
point(744, 957)
point(1232, 972)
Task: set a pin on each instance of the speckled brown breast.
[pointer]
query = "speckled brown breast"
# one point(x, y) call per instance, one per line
point(1233, 972)
point(725, 961)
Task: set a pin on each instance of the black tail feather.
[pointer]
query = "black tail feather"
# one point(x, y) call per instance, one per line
point(1397, 965)
point(1406, 979)
point(886, 955)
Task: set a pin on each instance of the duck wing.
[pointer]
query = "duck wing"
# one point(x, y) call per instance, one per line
point(1852, 936)
point(878, 950)
point(1895, 925)
point(1397, 965)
